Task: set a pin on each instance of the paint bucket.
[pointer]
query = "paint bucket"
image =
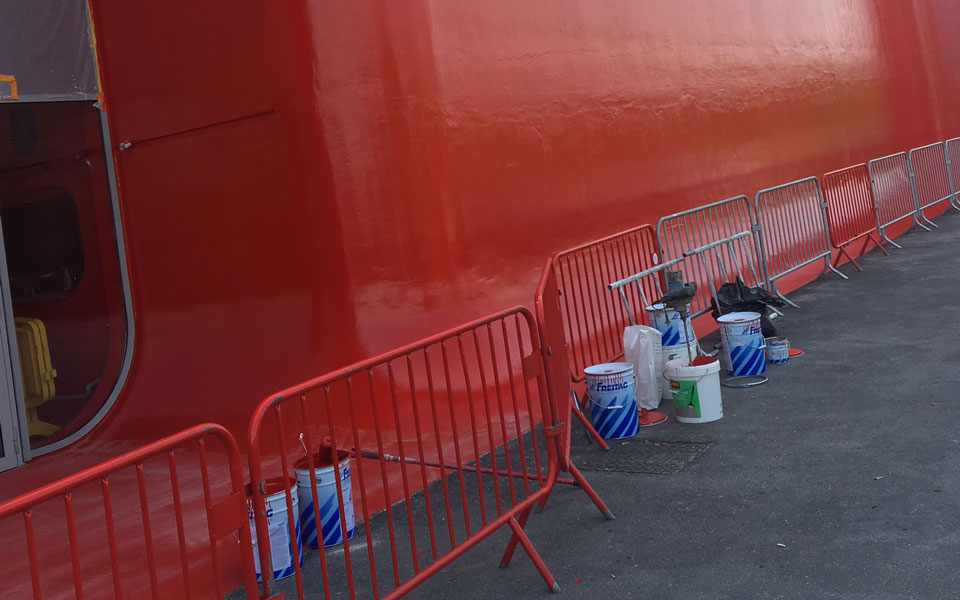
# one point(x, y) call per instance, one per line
point(743, 343)
point(278, 527)
point(671, 327)
point(778, 349)
point(696, 389)
point(612, 388)
point(669, 353)
point(324, 472)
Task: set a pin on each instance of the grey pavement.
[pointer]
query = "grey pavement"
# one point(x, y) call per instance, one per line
point(838, 479)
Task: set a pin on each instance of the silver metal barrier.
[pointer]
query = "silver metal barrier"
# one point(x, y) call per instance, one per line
point(893, 193)
point(951, 151)
point(929, 177)
point(683, 235)
point(793, 230)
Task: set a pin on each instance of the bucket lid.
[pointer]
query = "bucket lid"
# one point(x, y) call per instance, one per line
point(608, 368)
point(737, 317)
point(658, 308)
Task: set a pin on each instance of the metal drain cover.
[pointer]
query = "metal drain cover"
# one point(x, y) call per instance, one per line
point(644, 456)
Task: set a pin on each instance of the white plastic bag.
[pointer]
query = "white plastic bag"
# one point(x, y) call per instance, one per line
point(641, 348)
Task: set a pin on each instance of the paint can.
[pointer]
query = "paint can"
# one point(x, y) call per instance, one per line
point(743, 343)
point(696, 389)
point(778, 350)
point(278, 527)
point(671, 327)
point(325, 473)
point(612, 389)
point(669, 353)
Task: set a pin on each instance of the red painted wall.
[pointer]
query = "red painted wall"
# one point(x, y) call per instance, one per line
point(312, 182)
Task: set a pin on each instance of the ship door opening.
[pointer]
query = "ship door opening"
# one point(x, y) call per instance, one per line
point(63, 303)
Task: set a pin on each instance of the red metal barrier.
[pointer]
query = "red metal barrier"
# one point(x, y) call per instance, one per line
point(556, 353)
point(851, 211)
point(462, 416)
point(591, 319)
point(104, 531)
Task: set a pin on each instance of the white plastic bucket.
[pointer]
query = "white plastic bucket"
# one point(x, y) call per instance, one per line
point(696, 390)
point(278, 526)
point(777, 350)
point(612, 389)
point(326, 497)
point(671, 327)
point(743, 343)
point(669, 353)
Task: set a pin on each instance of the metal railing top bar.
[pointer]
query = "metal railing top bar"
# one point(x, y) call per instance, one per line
point(851, 211)
point(224, 518)
point(929, 177)
point(680, 233)
point(892, 192)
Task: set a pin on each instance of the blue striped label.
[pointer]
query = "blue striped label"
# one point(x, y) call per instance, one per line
point(746, 361)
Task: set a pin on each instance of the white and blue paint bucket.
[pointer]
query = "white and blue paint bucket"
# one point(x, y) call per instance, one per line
point(743, 344)
point(671, 327)
point(778, 350)
point(278, 528)
point(325, 474)
point(667, 353)
point(612, 388)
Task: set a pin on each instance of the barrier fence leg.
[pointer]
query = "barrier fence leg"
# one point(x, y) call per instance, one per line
point(586, 423)
point(591, 493)
point(883, 236)
point(538, 563)
point(842, 251)
point(834, 269)
point(876, 242)
point(514, 540)
point(781, 296)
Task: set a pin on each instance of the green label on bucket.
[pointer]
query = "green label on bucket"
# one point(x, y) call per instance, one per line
point(686, 401)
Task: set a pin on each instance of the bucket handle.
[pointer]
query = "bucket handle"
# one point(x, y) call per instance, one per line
point(607, 407)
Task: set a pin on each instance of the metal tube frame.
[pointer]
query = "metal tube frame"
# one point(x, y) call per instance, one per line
point(915, 188)
point(725, 220)
point(877, 197)
point(954, 185)
point(791, 234)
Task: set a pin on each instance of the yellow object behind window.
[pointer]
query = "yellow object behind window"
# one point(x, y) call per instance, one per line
point(36, 371)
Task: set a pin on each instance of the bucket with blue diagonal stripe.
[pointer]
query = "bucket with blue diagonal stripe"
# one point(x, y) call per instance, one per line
point(278, 526)
point(327, 499)
point(673, 331)
point(612, 388)
point(743, 344)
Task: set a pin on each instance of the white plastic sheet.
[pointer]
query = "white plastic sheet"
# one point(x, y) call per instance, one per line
point(641, 348)
point(46, 46)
